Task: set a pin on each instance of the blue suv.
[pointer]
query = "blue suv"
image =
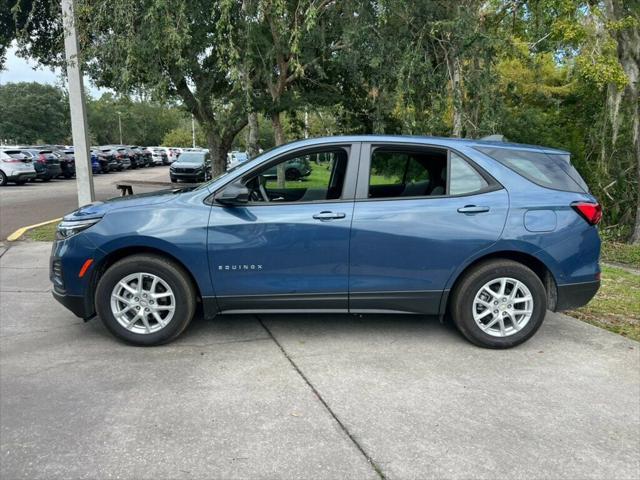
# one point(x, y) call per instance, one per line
point(488, 234)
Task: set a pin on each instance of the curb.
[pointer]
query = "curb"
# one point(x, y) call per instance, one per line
point(21, 231)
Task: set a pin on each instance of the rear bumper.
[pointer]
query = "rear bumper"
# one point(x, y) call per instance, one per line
point(51, 171)
point(21, 176)
point(575, 295)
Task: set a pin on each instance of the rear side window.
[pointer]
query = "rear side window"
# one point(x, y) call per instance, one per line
point(547, 170)
point(464, 179)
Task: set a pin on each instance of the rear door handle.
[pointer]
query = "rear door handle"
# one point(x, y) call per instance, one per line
point(328, 215)
point(473, 209)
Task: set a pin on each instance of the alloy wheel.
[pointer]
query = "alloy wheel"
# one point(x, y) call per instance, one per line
point(143, 303)
point(502, 307)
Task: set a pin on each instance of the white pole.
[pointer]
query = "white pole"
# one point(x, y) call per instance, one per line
point(120, 126)
point(193, 131)
point(84, 176)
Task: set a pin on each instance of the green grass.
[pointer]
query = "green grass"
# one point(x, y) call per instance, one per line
point(616, 306)
point(319, 178)
point(45, 233)
point(621, 253)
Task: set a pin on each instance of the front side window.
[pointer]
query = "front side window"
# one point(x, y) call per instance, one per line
point(314, 176)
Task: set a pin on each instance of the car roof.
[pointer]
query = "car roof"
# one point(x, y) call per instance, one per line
point(426, 140)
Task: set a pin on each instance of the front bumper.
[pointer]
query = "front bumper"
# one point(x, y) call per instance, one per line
point(76, 304)
point(193, 177)
point(575, 295)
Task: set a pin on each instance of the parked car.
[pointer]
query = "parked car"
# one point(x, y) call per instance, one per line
point(235, 158)
point(15, 167)
point(67, 163)
point(191, 167)
point(135, 159)
point(124, 157)
point(96, 166)
point(114, 163)
point(294, 169)
point(173, 153)
point(46, 164)
point(158, 155)
point(488, 234)
point(145, 159)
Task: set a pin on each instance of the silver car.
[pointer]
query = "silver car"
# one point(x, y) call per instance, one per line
point(15, 167)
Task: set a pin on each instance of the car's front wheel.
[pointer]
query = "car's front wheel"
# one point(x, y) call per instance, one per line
point(499, 304)
point(145, 299)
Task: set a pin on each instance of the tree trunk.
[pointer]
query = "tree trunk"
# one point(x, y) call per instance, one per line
point(456, 92)
point(254, 134)
point(218, 151)
point(278, 133)
point(635, 237)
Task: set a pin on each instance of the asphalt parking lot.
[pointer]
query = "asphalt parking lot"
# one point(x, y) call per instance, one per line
point(37, 202)
point(394, 397)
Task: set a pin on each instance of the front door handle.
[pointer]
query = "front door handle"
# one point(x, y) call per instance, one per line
point(473, 209)
point(328, 215)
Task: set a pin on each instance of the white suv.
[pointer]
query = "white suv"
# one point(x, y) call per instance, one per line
point(15, 167)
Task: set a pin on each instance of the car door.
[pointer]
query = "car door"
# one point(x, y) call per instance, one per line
point(291, 252)
point(409, 234)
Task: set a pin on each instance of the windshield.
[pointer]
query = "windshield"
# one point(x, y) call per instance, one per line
point(191, 157)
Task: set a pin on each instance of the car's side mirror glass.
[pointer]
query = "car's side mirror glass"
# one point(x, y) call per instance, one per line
point(233, 194)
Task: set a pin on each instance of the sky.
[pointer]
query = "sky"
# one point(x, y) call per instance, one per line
point(17, 69)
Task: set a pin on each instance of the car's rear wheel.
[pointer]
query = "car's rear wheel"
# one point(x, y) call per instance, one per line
point(3, 179)
point(499, 304)
point(145, 299)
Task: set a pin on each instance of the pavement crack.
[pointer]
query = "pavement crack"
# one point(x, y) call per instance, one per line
point(324, 403)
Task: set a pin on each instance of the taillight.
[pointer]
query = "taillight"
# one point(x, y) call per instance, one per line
point(591, 212)
point(42, 158)
point(13, 160)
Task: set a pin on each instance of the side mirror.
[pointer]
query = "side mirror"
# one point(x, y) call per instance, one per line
point(233, 194)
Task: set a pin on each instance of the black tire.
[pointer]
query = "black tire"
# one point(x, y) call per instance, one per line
point(292, 175)
point(173, 274)
point(173, 180)
point(68, 175)
point(19, 182)
point(46, 179)
point(3, 179)
point(463, 296)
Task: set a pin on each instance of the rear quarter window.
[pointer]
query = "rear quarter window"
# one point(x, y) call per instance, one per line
point(545, 169)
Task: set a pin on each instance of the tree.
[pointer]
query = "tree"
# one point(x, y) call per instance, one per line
point(624, 23)
point(283, 45)
point(182, 137)
point(143, 122)
point(168, 49)
point(33, 113)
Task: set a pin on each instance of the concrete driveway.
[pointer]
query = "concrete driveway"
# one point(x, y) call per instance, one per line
point(308, 397)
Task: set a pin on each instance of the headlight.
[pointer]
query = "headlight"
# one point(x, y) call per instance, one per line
point(67, 229)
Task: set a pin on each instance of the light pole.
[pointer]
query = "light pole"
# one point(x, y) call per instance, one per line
point(120, 125)
point(193, 131)
point(84, 176)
